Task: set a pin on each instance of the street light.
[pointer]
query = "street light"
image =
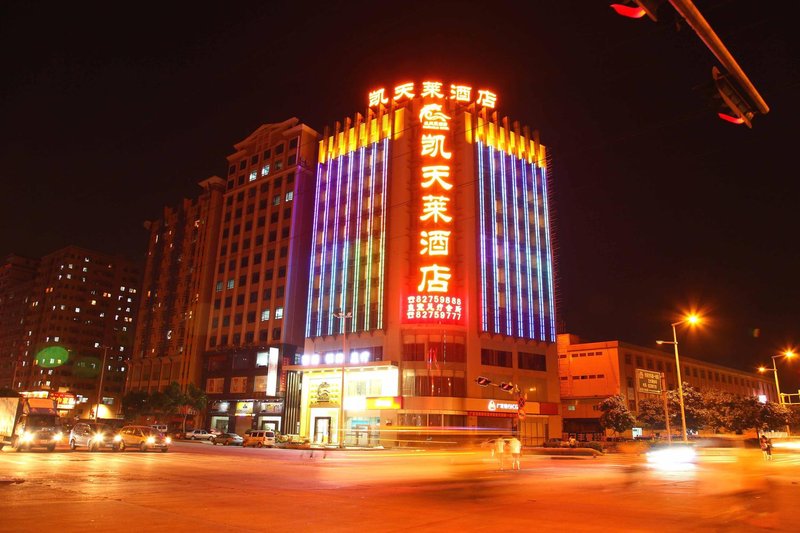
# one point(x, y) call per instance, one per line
point(691, 320)
point(341, 315)
point(788, 354)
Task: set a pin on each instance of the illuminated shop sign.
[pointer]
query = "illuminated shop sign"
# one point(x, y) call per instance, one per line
point(385, 402)
point(244, 408)
point(64, 400)
point(496, 405)
point(432, 298)
point(335, 358)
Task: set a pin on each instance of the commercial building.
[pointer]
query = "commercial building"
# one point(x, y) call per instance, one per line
point(432, 267)
point(260, 277)
point(16, 280)
point(172, 324)
point(80, 313)
point(590, 372)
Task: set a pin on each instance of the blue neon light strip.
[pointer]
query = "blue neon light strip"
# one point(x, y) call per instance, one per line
point(371, 238)
point(517, 256)
point(550, 295)
point(384, 201)
point(539, 287)
point(357, 253)
point(313, 259)
point(506, 254)
point(482, 236)
point(337, 222)
point(346, 238)
point(528, 258)
point(493, 213)
point(324, 251)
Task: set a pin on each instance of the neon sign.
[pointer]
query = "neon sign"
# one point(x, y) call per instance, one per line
point(433, 90)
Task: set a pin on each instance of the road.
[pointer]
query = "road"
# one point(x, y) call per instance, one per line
point(196, 486)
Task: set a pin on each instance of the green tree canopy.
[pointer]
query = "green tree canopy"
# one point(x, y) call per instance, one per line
point(615, 414)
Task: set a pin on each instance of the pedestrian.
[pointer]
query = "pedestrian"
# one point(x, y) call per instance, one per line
point(766, 447)
point(515, 447)
point(500, 452)
point(572, 442)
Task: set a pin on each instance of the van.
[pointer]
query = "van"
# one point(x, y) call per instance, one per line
point(161, 428)
point(260, 438)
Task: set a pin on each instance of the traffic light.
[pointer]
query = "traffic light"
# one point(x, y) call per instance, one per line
point(636, 9)
point(482, 381)
point(508, 387)
point(736, 109)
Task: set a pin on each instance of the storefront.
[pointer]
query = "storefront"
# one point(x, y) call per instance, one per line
point(238, 416)
point(357, 417)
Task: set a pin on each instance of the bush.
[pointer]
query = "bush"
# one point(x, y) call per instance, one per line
point(593, 445)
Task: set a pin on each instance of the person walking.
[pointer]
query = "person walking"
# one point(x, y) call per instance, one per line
point(500, 452)
point(766, 447)
point(515, 447)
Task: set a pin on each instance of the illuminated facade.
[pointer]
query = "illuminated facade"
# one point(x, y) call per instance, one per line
point(260, 279)
point(590, 372)
point(176, 292)
point(431, 266)
point(16, 278)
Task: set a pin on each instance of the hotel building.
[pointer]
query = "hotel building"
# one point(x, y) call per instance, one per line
point(80, 313)
point(260, 281)
point(171, 330)
point(590, 372)
point(431, 267)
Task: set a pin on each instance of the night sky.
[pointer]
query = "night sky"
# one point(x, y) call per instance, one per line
point(111, 111)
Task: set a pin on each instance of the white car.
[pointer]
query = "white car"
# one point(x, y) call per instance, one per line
point(199, 434)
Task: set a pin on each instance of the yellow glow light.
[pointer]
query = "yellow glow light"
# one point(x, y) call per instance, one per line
point(789, 354)
point(762, 369)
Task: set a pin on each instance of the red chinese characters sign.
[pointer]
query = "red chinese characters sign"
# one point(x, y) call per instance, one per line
point(432, 297)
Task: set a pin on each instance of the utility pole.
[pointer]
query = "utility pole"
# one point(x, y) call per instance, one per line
point(100, 387)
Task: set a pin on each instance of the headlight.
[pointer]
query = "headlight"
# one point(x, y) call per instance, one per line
point(27, 436)
point(151, 440)
point(117, 438)
point(58, 436)
point(99, 437)
point(168, 440)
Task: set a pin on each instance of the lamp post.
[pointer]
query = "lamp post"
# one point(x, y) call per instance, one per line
point(788, 354)
point(100, 388)
point(341, 315)
point(691, 319)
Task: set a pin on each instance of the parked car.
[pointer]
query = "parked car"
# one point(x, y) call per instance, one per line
point(260, 438)
point(143, 438)
point(199, 434)
point(227, 439)
point(93, 436)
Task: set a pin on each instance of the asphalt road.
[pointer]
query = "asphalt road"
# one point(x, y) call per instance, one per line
point(196, 486)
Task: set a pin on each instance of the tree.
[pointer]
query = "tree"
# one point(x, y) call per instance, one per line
point(615, 414)
point(693, 406)
point(134, 404)
point(721, 409)
point(651, 412)
point(194, 399)
point(772, 416)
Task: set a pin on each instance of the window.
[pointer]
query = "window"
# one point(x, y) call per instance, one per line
point(289, 197)
point(253, 175)
point(292, 159)
point(496, 358)
point(276, 333)
point(232, 170)
point(278, 313)
point(279, 149)
point(239, 384)
point(242, 164)
point(265, 170)
point(240, 299)
point(251, 317)
point(219, 285)
point(293, 143)
point(639, 361)
point(215, 385)
point(267, 154)
point(630, 381)
point(276, 200)
point(265, 315)
point(627, 358)
point(531, 361)
point(278, 165)
point(230, 282)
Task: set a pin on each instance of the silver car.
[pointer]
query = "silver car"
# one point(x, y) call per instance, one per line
point(93, 436)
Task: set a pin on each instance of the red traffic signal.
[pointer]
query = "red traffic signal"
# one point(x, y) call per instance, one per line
point(736, 109)
point(508, 387)
point(482, 381)
point(638, 9)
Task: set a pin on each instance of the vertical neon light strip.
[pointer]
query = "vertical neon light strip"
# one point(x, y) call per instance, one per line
point(492, 211)
point(506, 255)
point(538, 252)
point(313, 252)
point(371, 237)
point(551, 290)
point(517, 256)
point(482, 219)
point(337, 223)
point(346, 237)
point(324, 251)
point(357, 251)
point(384, 201)
point(529, 259)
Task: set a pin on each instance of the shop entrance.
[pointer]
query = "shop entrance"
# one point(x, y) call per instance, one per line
point(322, 428)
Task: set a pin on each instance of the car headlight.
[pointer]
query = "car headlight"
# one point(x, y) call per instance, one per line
point(168, 440)
point(117, 438)
point(27, 436)
point(58, 436)
point(151, 440)
point(99, 437)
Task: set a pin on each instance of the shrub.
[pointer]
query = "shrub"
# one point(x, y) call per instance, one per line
point(593, 445)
